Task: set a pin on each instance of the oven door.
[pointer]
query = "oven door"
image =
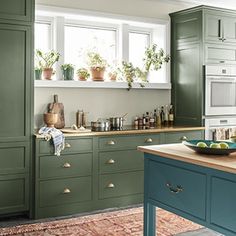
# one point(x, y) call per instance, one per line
point(220, 96)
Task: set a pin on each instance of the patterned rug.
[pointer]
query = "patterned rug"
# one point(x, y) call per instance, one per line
point(128, 222)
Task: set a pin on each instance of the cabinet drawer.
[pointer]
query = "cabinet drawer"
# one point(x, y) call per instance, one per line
point(118, 161)
point(65, 191)
point(13, 159)
point(116, 142)
point(117, 185)
point(71, 146)
point(68, 165)
point(176, 137)
point(14, 193)
point(175, 186)
point(223, 208)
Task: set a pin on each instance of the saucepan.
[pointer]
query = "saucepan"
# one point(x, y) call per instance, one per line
point(100, 125)
point(117, 122)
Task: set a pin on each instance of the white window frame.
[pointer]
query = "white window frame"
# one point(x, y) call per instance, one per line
point(123, 25)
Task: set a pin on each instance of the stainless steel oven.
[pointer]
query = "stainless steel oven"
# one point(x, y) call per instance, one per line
point(220, 90)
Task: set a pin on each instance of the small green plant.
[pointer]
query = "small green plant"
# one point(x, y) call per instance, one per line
point(95, 60)
point(83, 73)
point(67, 71)
point(47, 59)
point(67, 66)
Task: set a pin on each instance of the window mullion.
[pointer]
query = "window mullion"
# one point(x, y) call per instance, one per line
point(124, 42)
point(59, 39)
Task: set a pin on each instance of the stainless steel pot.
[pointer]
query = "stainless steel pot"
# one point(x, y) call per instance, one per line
point(100, 125)
point(117, 122)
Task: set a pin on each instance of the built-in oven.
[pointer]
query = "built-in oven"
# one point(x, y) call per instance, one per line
point(220, 128)
point(220, 90)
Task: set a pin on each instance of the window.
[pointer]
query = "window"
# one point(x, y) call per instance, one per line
point(43, 33)
point(81, 39)
point(138, 42)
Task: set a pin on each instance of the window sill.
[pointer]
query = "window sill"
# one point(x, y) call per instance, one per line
point(93, 84)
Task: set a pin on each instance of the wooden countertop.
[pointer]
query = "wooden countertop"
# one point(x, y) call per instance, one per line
point(129, 130)
point(182, 153)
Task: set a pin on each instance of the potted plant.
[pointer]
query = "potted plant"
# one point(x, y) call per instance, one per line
point(97, 66)
point(37, 73)
point(46, 62)
point(67, 71)
point(83, 74)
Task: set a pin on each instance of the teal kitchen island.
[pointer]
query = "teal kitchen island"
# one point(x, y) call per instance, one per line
point(199, 187)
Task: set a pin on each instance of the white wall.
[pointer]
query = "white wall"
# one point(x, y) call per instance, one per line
point(107, 102)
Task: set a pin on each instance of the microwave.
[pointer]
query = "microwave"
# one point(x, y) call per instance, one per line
point(220, 90)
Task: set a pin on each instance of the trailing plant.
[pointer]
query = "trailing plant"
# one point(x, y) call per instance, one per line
point(47, 59)
point(96, 61)
point(83, 72)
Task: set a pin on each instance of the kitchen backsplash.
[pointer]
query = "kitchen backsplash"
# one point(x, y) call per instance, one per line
point(99, 103)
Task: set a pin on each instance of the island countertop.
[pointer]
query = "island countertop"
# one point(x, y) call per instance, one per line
point(182, 153)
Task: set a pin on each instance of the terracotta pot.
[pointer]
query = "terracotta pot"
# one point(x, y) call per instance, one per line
point(47, 73)
point(82, 78)
point(97, 73)
point(50, 119)
point(112, 76)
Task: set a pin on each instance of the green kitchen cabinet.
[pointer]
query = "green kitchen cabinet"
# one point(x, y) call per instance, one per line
point(199, 36)
point(16, 107)
point(94, 172)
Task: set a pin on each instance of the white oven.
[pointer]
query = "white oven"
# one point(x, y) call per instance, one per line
point(220, 90)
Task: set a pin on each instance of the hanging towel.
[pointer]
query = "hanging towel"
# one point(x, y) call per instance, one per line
point(56, 136)
point(232, 131)
point(220, 134)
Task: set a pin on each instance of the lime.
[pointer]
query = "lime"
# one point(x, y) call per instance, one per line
point(201, 144)
point(215, 145)
point(224, 145)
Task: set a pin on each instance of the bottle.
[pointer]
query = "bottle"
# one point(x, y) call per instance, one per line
point(79, 119)
point(151, 120)
point(155, 117)
point(136, 122)
point(171, 116)
point(162, 115)
point(84, 119)
point(166, 115)
point(158, 124)
point(144, 120)
point(147, 120)
point(140, 122)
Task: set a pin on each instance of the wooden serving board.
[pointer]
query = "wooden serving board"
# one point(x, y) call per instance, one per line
point(69, 130)
point(57, 108)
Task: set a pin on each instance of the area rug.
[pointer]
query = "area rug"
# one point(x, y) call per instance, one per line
point(128, 222)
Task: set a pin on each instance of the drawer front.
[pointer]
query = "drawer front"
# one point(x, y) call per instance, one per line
point(71, 146)
point(65, 191)
point(177, 137)
point(176, 187)
point(117, 185)
point(223, 208)
point(116, 142)
point(14, 193)
point(68, 165)
point(14, 159)
point(118, 161)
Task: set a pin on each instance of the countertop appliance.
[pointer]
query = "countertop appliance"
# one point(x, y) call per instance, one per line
point(220, 90)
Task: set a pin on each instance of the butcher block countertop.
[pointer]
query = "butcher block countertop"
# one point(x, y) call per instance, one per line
point(182, 153)
point(126, 130)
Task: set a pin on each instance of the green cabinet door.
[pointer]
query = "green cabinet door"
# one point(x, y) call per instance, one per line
point(15, 72)
point(16, 10)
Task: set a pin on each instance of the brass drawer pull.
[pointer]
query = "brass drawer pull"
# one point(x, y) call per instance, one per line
point(176, 189)
point(183, 138)
point(111, 142)
point(111, 185)
point(67, 145)
point(66, 165)
point(66, 191)
point(148, 140)
point(111, 161)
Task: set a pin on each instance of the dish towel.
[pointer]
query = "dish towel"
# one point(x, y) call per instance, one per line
point(56, 136)
point(220, 134)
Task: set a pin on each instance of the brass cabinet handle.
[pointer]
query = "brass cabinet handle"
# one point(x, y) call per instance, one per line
point(148, 140)
point(111, 142)
point(67, 165)
point(111, 185)
point(111, 161)
point(183, 138)
point(67, 145)
point(176, 189)
point(66, 191)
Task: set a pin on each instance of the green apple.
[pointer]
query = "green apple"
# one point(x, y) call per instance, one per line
point(201, 144)
point(224, 145)
point(215, 145)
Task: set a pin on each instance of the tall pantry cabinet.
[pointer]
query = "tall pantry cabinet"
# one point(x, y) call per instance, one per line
point(199, 36)
point(16, 103)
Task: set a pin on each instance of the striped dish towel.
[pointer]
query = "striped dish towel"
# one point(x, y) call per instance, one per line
point(56, 136)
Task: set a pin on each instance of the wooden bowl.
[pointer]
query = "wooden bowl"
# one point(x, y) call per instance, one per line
point(50, 119)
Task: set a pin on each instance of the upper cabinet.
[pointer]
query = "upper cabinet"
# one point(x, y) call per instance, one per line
point(18, 10)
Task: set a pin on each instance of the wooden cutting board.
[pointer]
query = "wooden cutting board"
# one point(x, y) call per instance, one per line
point(57, 108)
